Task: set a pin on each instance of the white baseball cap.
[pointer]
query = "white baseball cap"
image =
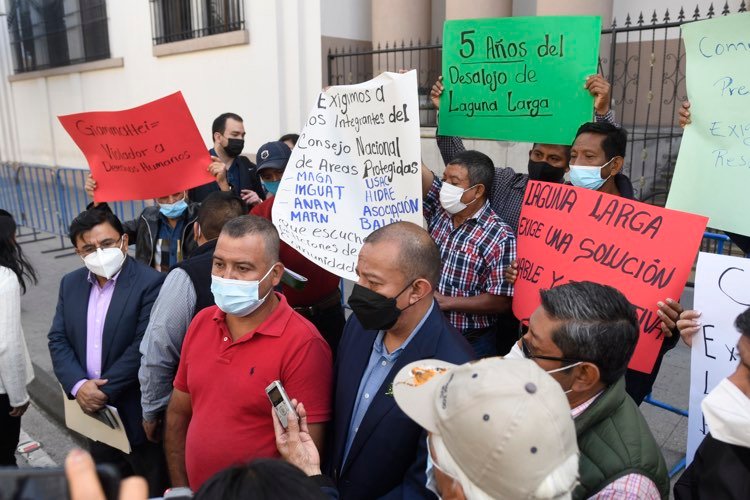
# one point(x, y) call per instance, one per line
point(505, 422)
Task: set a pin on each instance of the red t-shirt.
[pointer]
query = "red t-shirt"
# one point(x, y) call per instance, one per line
point(226, 380)
point(320, 283)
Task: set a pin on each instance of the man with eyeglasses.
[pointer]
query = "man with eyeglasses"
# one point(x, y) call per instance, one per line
point(584, 334)
point(102, 313)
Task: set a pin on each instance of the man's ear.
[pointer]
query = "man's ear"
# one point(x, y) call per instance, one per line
point(420, 289)
point(480, 190)
point(277, 273)
point(616, 166)
point(586, 376)
point(196, 231)
point(125, 242)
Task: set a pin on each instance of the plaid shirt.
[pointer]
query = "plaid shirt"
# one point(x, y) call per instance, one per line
point(508, 186)
point(474, 256)
point(628, 487)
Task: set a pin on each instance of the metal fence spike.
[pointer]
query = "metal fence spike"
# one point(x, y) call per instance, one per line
point(697, 13)
point(654, 17)
point(743, 8)
point(681, 15)
point(666, 16)
point(725, 10)
point(640, 19)
point(627, 20)
point(710, 14)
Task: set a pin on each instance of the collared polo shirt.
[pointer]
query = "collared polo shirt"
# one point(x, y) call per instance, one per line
point(226, 380)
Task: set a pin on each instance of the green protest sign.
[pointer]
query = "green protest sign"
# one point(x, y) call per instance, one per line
point(519, 78)
point(712, 175)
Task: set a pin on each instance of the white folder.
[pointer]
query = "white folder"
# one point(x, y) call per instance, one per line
point(78, 421)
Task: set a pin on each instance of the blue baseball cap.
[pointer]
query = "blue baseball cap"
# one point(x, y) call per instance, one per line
point(272, 155)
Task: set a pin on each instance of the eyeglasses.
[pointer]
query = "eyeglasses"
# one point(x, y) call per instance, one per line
point(522, 330)
point(108, 243)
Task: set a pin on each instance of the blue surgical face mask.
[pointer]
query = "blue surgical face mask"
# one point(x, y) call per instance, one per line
point(271, 186)
point(173, 210)
point(588, 177)
point(238, 297)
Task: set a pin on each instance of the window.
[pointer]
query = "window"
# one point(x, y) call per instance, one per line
point(175, 20)
point(50, 33)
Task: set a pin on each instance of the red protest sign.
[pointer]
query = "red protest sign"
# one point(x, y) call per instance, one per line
point(146, 152)
point(567, 234)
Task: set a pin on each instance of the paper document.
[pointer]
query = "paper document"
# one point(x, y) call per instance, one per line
point(106, 427)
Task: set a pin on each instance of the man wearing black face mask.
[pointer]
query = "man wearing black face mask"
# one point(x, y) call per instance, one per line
point(547, 162)
point(377, 451)
point(239, 175)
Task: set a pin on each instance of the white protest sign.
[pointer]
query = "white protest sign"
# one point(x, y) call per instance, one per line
point(355, 168)
point(722, 292)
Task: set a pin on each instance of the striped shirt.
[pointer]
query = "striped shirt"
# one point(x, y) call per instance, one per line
point(474, 256)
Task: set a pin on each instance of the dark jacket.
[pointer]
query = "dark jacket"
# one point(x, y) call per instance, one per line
point(388, 456)
point(615, 441)
point(249, 179)
point(719, 471)
point(144, 231)
point(198, 268)
point(127, 317)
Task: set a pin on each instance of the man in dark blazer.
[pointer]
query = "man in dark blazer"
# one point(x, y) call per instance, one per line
point(102, 314)
point(376, 450)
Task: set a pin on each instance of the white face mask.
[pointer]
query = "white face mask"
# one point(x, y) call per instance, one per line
point(105, 262)
point(515, 352)
point(727, 413)
point(450, 198)
point(238, 297)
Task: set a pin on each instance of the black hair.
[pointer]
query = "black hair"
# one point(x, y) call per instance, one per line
point(615, 139)
point(11, 255)
point(742, 323)
point(218, 208)
point(88, 219)
point(598, 325)
point(220, 123)
point(263, 479)
point(566, 148)
point(479, 166)
point(418, 255)
point(240, 227)
point(293, 138)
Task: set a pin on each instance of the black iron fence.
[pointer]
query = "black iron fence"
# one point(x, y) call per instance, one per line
point(56, 33)
point(176, 20)
point(643, 58)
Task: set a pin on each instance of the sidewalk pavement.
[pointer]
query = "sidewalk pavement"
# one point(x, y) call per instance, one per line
point(38, 308)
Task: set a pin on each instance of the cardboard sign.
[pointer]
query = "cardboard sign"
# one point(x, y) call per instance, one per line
point(518, 78)
point(722, 292)
point(355, 168)
point(146, 152)
point(567, 234)
point(713, 166)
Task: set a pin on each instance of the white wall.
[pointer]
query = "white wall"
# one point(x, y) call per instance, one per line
point(350, 19)
point(271, 83)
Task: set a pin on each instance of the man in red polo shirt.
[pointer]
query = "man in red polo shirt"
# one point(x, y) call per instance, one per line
point(219, 412)
point(320, 300)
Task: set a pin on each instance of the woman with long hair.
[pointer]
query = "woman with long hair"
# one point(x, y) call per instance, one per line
point(15, 365)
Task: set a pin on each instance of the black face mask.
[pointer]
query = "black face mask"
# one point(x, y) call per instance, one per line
point(234, 147)
point(375, 311)
point(543, 171)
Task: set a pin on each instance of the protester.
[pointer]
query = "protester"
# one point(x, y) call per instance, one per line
point(475, 246)
point(228, 136)
point(584, 335)
point(741, 240)
point(597, 157)
point(596, 160)
point(162, 233)
point(186, 291)
point(376, 450)
point(16, 371)
point(721, 467)
point(468, 415)
point(547, 162)
point(289, 139)
point(102, 313)
point(319, 299)
point(218, 412)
